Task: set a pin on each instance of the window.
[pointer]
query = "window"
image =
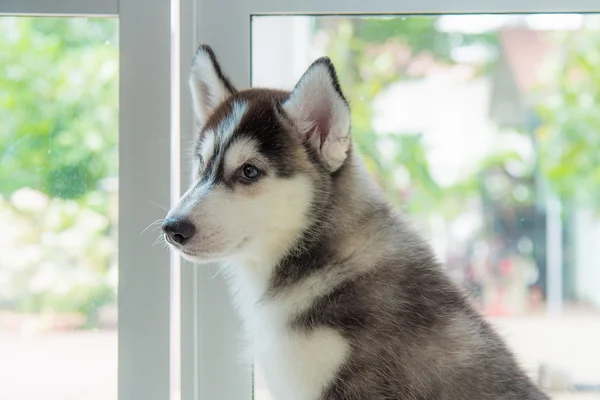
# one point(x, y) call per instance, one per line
point(66, 90)
point(59, 207)
point(151, 32)
point(484, 129)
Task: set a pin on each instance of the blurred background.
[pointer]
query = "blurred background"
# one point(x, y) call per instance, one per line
point(484, 128)
point(58, 208)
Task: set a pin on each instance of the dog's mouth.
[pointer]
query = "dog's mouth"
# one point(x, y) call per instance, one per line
point(194, 253)
point(204, 255)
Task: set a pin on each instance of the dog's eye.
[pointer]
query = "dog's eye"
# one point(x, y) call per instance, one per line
point(250, 172)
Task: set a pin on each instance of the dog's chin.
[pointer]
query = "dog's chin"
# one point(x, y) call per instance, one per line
point(200, 257)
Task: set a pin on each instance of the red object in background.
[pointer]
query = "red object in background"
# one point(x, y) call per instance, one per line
point(505, 266)
point(497, 308)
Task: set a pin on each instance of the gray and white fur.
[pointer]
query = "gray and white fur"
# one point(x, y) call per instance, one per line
point(341, 299)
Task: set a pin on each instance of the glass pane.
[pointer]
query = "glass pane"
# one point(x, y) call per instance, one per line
point(485, 130)
point(58, 208)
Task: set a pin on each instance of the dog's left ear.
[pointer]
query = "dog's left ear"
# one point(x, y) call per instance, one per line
point(209, 86)
point(321, 113)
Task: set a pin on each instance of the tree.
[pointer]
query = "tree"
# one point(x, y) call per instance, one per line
point(569, 109)
point(58, 100)
point(372, 53)
point(58, 141)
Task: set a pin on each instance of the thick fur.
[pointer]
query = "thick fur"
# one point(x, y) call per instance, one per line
point(341, 298)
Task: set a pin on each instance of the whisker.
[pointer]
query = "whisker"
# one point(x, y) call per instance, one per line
point(159, 206)
point(216, 274)
point(159, 239)
point(158, 221)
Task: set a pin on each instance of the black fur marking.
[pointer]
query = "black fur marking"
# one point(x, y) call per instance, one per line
point(263, 123)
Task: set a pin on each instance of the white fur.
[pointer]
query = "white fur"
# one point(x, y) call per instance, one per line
point(297, 366)
point(314, 99)
point(223, 133)
point(208, 91)
point(250, 233)
point(230, 123)
point(208, 146)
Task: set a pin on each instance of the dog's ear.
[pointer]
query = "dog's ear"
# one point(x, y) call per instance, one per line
point(209, 86)
point(321, 113)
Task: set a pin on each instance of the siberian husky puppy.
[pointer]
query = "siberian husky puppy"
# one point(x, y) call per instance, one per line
point(341, 298)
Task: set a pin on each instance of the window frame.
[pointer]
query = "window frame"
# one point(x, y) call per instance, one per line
point(228, 31)
point(155, 54)
point(62, 8)
point(144, 297)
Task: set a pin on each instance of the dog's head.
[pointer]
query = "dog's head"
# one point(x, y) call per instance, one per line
point(263, 158)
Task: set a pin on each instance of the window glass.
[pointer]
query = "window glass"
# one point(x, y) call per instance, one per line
point(485, 129)
point(58, 208)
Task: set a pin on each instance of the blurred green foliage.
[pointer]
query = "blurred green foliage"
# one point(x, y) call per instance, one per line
point(569, 135)
point(556, 150)
point(58, 104)
point(371, 53)
point(58, 144)
point(59, 125)
point(57, 256)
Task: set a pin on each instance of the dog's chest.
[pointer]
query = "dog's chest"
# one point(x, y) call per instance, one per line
point(296, 365)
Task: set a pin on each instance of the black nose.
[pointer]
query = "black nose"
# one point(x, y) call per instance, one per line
point(178, 230)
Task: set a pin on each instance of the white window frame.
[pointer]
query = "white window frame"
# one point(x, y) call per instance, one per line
point(144, 177)
point(211, 369)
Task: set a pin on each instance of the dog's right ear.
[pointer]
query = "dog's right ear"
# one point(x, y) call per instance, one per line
point(209, 86)
point(321, 113)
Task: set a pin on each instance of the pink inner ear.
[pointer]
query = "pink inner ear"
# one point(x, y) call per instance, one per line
point(321, 117)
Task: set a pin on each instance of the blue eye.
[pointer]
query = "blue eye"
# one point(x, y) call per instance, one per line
point(250, 172)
